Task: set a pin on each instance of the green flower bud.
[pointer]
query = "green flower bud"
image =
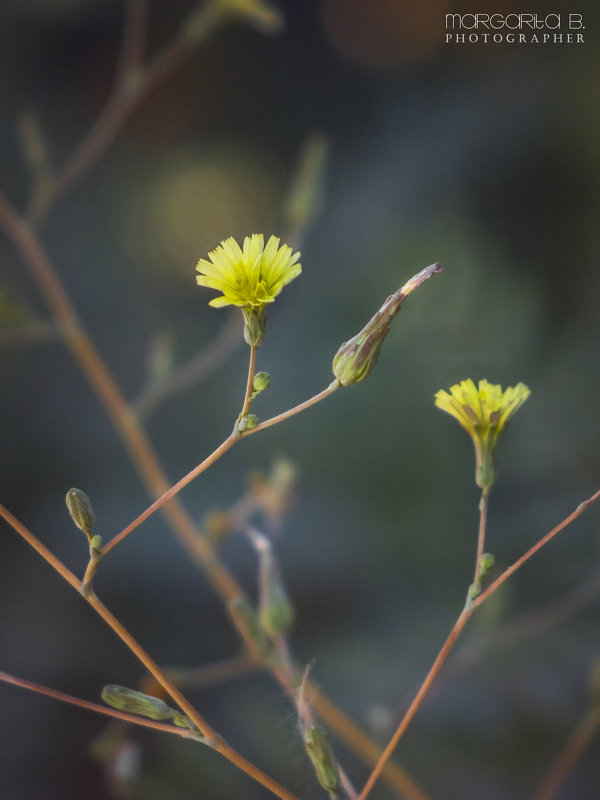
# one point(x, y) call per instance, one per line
point(474, 590)
point(80, 510)
point(262, 381)
point(325, 765)
point(247, 423)
point(486, 562)
point(255, 324)
point(246, 619)
point(275, 610)
point(136, 702)
point(356, 358)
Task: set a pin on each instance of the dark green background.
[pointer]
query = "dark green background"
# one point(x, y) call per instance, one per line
point(484, 158)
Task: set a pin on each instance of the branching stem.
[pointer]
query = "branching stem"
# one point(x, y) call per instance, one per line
point(457, 629)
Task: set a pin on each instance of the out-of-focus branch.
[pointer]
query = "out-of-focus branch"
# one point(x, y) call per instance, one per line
point(568, 756)
point(134, 82)
point(227, 340)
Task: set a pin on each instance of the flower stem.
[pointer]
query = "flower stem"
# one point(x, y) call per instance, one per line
point(172, 491)
point(216, 741)
point(457, 629)
point(483, 508)
point(150, 469)
point(214, 456)
point(418, 699)
point(537, 546)
point(295, 410)
point(250, 381)
point(133, 719)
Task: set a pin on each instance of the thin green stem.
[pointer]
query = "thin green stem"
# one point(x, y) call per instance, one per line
point(95, 707)
point(295, 410)
point(457, 629)
point(483, 508)
point(249, 382)
point(212, 458)
point(215, 740)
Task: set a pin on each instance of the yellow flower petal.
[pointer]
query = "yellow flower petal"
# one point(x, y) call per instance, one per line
point(249, 276)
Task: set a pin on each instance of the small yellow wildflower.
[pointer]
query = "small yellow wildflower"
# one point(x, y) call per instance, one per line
point(249, 277)
point(483, 412)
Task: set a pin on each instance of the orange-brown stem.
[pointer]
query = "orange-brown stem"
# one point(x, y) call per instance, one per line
point(216, 741)
point(146, 461)
point(98, 709)
point(249, 381)
point(483, 507)
point(453, 636)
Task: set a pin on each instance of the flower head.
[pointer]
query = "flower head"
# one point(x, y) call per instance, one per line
point(248, 276)
point(483, 412)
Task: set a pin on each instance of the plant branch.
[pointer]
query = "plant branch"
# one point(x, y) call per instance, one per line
point(132, 85)
point(215, 740)
point(133, 41)
point(150, 469)
point(418, 699)
point(457, 629)
point(172, 491)
point(232, 439)
point(538, 546)
point(196, 369)
point(293, 411)
point(133, 719)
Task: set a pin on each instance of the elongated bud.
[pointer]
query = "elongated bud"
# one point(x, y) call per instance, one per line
point(275, 610)
point(262, 381)
point(356, 358)
point(325, 765)
point(129, 700)
point(255, 324)
point(246, 619)
point(304, 199)
point(80, 510)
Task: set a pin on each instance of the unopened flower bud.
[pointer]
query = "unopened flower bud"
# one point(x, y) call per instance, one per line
point(262, 381)
point(324, 762)
point(247, 622)
point(356, 358)
point(275, 610)
point(129, 700)
point(247, 423)
point(486, 562)
point(255, 324)
point(80, 510)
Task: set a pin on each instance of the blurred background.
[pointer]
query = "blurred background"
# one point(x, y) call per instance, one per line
point(484, 157)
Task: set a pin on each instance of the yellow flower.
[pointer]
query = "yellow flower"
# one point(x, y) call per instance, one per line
point(483, 412)
point(251, 276)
